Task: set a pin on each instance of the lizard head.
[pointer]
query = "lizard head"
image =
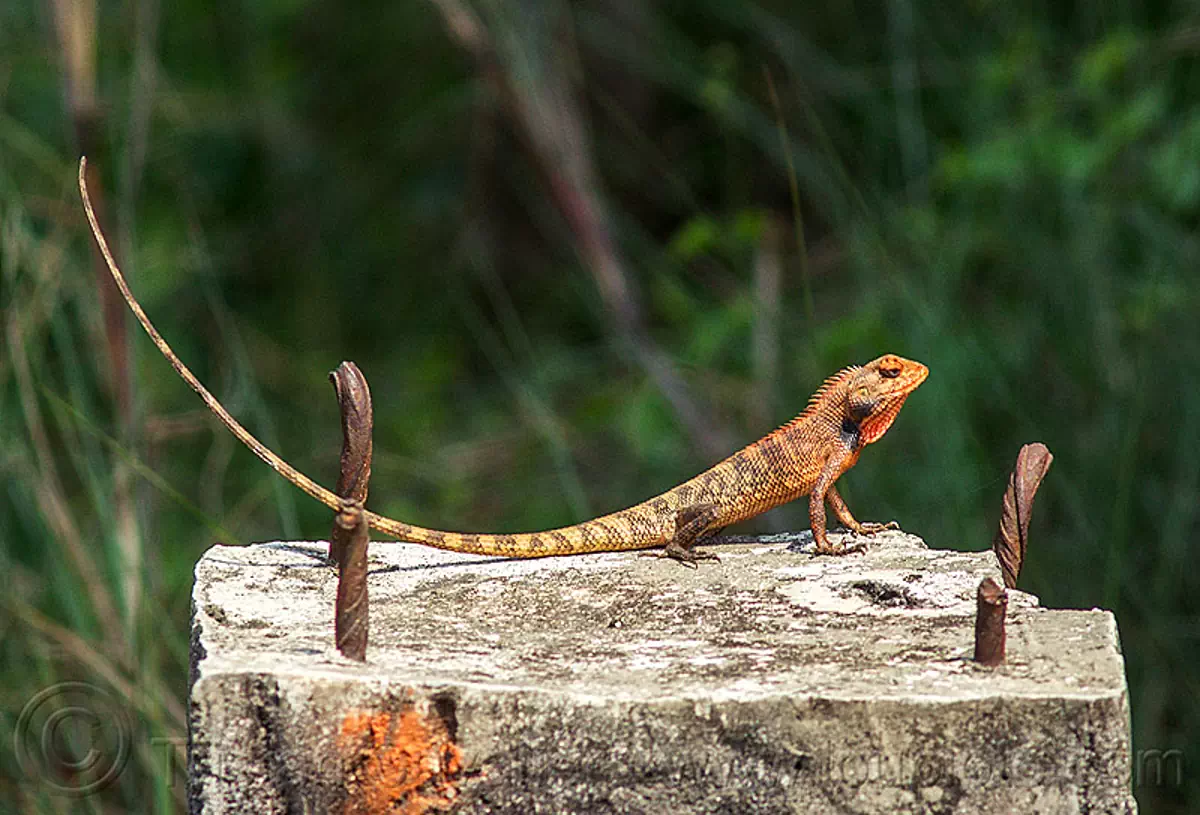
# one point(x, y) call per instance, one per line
point(877, 391)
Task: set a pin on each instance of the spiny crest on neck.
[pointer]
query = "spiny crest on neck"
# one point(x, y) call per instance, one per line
point(822, 393)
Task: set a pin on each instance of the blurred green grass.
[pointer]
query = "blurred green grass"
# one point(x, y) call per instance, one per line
point(1008, 194)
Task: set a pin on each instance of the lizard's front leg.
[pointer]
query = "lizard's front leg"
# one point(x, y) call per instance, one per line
point(816, 505)
point(843, 513)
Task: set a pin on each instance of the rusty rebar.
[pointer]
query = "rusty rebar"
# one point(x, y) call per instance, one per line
point(1012, 536)
point(350, 534)
point(990, 638)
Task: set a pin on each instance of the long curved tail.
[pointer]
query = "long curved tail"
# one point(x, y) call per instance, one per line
point(635, 528)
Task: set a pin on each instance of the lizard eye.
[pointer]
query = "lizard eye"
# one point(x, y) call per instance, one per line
point(890, 373)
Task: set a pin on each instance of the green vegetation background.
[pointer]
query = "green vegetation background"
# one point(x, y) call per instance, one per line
point(1007, 192)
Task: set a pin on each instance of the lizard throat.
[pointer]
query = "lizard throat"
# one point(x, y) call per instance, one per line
point(874, 426)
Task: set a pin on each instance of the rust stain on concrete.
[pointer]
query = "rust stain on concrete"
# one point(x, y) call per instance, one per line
point(401, 762)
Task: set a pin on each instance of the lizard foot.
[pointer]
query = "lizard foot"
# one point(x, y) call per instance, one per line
point(840, 549)
point(688, 557)
point(871, 528)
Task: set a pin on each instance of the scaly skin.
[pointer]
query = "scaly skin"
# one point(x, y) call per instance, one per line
point(853, 408)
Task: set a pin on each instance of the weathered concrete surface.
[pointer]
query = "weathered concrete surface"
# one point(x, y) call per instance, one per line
point(774, 681)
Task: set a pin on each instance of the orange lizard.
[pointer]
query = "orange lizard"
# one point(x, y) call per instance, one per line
point(853, 408)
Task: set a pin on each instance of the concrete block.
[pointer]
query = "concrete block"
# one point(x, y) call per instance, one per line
point(774, 681)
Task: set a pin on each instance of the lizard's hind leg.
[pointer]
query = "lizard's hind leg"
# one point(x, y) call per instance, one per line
point(692, 525)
